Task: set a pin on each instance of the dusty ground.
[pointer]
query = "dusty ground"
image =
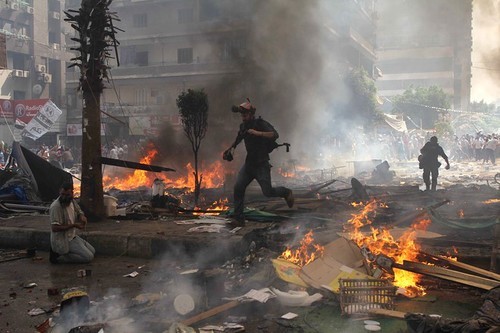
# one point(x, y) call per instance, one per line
point(112, 299)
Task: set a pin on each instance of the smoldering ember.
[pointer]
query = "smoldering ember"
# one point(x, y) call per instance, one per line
point(249, 166)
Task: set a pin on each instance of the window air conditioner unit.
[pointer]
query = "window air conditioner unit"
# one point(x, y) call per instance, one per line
point(47, 78)
point(40, 68)
point(30, 10)
point(56, 46)
point(18, 73)
point(56, 15)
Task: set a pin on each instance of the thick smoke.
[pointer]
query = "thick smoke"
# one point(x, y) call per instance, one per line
point(486, 51)
point(297, 73)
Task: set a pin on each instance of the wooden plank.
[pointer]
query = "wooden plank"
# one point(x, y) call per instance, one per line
point(314, 190)
point(471, 268)
point(410, 217)
point(210, 313)
point(466, 282)
point(427, 269)
point(388, 313)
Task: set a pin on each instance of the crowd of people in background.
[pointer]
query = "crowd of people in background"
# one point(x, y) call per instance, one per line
point(59, 156)
point(65, 157)
point(478, 147)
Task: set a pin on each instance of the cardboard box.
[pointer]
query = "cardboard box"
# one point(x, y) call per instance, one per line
point(342, 259)
point(288, 272)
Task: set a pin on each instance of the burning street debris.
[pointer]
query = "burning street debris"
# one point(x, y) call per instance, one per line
point(361, 250)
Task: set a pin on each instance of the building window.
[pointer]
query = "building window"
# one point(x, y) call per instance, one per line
point(209, 10)
point(140, 20)
point(185, 56)
point(18, 94)
point(185, 15)
point(233, 49)
point(141, 58)
point(141, 96)
point(127, 55)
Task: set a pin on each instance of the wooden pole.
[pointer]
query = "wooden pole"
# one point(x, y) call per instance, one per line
point(93, 23)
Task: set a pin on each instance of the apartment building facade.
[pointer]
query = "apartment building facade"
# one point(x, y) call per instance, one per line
point(172, 45)
point(424, 43)
point(35, 58)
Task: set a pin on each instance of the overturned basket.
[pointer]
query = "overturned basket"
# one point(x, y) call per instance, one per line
point(358, 296)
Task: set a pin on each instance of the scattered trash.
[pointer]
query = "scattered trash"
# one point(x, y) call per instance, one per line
point(36, 312)
point(289, 315)
point(296, 298)
point(45, 326)
point(372, 328)
point(183, 304)
point(132, 275)
point(191, 271)
point(216, 228)
point(262, 295)
point(83, 272)
point(30, 285)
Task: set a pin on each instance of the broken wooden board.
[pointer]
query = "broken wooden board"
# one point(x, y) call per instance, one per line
point(388, 313)
point(445, 273)
point(210, 313)
point(471, 268)
point(410, 217)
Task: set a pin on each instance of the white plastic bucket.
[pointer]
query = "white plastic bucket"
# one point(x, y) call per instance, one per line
point(158, 187)
point(110, 204)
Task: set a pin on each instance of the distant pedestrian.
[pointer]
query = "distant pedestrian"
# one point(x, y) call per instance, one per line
point(65, 217)
point(67, 158)
point(429, 162)
point(490, 147)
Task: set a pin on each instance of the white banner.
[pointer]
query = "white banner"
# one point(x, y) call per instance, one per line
point(43, 121)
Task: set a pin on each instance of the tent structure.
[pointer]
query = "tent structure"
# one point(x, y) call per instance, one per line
point(46, 178)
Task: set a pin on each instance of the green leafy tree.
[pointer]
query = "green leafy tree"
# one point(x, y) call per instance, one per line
point(362, 107)
point(482, 107)
point(423, 105)
point(193, 110)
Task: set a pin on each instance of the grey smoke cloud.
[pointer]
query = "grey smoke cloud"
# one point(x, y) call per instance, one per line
point(486, 51)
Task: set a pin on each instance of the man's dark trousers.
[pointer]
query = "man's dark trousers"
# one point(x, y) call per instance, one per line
point(260, 172)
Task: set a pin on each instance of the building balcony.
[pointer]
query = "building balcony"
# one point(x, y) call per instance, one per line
point(165, 71)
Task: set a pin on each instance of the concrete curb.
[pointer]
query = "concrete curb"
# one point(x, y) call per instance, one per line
point(129, 245)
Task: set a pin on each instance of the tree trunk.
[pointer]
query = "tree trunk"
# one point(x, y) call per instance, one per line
point(196, 181)
point(91, 198)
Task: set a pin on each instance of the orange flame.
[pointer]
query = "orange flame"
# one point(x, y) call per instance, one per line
point(490, 201)
point(212, 176)
point(215, 208)
point(380, 241)
point(291, 171)
point(307, 252)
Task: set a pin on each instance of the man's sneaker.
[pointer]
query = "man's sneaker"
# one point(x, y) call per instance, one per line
point(290, 199)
